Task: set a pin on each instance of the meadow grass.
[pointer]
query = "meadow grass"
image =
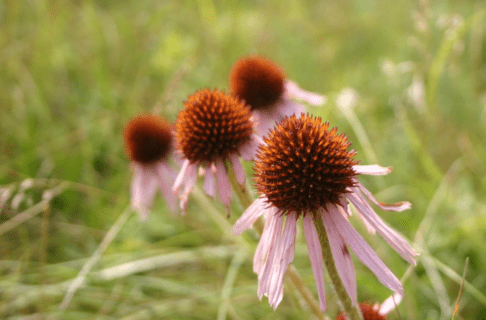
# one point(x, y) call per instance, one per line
point(73, 72)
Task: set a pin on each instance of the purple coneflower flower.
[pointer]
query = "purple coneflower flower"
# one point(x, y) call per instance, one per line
point(304, 170)
point(375, 311)
point(148, 144)
point(213, 128)
point(262, 84)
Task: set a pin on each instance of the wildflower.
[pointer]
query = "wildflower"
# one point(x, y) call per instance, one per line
point(376, 311)
point(303, 169)
point(148, 144)
point(213, 128)
point(262, 84)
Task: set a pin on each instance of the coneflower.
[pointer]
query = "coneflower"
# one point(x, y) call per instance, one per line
point(213, 128)
point(149, 145)
point(304, 169)
point(375, 311)
point(262, 84)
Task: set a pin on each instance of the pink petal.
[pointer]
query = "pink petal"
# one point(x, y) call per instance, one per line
point(285, 256)
point(373, 169)
point(165, 183)
point(264, 121)
point(293, 90)
point(362, 250)
point(191, 177)
point(399, 206)
point(251, 214)
point(238, 168)
point(390, 304)
point(209, 184)
point(224, 187)
point(272, 243)
point(265, 242)
point(391, 236)
point(142, 189)
point(180, 176)
point(342, 258)
point(288, 108)
point(249, 149)
point(315, 256)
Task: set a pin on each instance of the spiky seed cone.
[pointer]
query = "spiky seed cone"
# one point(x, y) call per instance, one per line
point(148, 138)
point(212, 126)
point(258, 81)
point(303, 166)
point(368, 311)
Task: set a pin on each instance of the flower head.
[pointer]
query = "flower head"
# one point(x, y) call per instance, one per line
point(213, 128)
point(148, 144)
point(303, 170)
point(376, 311)
point(262, 84)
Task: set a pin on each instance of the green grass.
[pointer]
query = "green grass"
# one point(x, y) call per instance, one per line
point(73, 72)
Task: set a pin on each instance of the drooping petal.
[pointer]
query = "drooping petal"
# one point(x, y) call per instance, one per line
point(272, 243)
point(264, 121)
point(165, 184)
point(399, 206)
point(251, 214)
point(315, 256)
point(142, 189)
point(249, 149)
point(288, 108)
point(372, 169)
point(293, 91)
point(265, 242)
point(238, 168)
point(224, 187)
point(209, 183)
point(397, 242)
point(342, 257)
point(191, 177)
point(180, 176)
point(284, 256)
point(362, 250)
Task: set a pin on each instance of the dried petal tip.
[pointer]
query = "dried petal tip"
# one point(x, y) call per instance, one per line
point(258, 81)
point(369, 313)
point(148, 138)
point(304, 166)
point(212, 126)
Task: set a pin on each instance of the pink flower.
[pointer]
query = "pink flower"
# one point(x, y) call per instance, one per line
point(262, 84)
point(305, 170)
point(213, 128)
point(148, 143)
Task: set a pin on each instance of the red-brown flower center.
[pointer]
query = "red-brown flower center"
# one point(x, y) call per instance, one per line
point(148, 138)
point(368, 311)
point(258, 81)
point(303, 166)
point(212, 126)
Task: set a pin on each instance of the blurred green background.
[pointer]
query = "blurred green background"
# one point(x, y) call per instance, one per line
point(73, 72)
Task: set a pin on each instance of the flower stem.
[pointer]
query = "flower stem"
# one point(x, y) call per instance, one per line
point(246, 200)
point(346, 303)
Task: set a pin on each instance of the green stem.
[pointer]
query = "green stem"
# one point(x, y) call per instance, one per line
point(352, 311)
point(246, 200)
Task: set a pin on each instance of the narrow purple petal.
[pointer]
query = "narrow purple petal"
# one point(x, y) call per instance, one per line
point(191, 177)
point(292, 90)
point(397, 242)
point(209, 183)
point(272, 244)
point(265, 242)
point(342, 257)
point(249, 149)
point(372, 169)
point(399, 206)
point(142, 189)
point(285, 256)
point(180, 176)
point(362, 250)
point(224, 187)
point(165, 182)
point(251, 214)
point(315, 256)
point(238, 168)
